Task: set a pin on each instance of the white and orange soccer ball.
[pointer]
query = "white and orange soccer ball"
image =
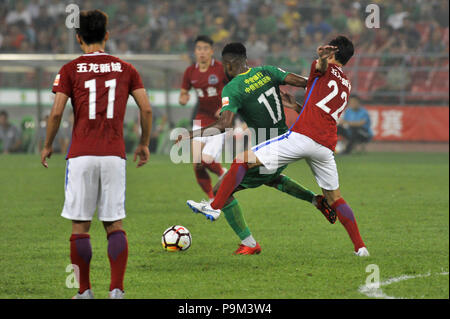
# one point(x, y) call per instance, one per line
point(176, 238)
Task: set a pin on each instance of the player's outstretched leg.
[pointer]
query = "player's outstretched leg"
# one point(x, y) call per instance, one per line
point(348, 220)
point(228, 185)
point(236, 220)
point(231, 180)
point(289, 186)
point(118, 257)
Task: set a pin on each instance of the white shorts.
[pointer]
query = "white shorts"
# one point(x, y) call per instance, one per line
point(213, 144)
point(292, 146)
point(95, 182)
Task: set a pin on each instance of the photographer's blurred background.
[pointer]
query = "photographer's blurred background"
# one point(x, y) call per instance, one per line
point(400, 73)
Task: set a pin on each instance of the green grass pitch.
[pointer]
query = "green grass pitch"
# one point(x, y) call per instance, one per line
point(401, 203)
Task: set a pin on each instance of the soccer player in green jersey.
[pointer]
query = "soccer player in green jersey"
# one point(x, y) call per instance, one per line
point(254, 94)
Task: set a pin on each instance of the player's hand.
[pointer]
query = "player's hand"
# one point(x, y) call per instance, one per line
point(325, 51)
point(288, 100)
point(184, 98)
point(144, 154)
point(46, 153)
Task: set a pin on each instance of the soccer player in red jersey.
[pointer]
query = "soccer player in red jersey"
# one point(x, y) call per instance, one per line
point(207, 77)
point(313, 137)
point(98, 85)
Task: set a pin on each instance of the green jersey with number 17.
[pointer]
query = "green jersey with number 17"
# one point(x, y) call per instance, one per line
point(255, 96)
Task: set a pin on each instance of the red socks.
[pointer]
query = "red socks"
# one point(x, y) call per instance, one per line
point(118, 256)
point(347, 219)
point(80, 255)
point(231, 180)
point(203, 180)
point(214, 167)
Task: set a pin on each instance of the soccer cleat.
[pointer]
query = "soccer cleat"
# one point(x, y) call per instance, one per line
point(326, 210)
point(246, 250)
point(116, 294)
point(362, 252)
point(87, 294)
point(204, 208)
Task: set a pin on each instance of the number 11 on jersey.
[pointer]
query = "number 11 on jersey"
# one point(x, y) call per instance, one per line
point(91, 85)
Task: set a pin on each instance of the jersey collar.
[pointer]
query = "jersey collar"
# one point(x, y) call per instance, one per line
point(245, 71)
point(212, 63)
point(99, 52)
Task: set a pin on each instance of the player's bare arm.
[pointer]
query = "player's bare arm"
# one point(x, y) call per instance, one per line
point(324, 52)
point(184, 97)
point(54, 120)
point(296, 80)
point(225, 121)
point(289, 101)
point(142, 151)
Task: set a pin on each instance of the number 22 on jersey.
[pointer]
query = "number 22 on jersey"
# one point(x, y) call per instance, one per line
point(323, 103)
point(91, 85)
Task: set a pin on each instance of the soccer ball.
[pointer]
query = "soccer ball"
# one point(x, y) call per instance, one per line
point(176, 238)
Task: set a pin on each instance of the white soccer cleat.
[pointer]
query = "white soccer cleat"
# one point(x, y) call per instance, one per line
point(362, 252)
point(116, 294)
point(204, 208)
point(87, 294)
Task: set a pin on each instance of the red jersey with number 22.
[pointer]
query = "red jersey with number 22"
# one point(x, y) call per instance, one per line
point(98, 85)
point(326, 98)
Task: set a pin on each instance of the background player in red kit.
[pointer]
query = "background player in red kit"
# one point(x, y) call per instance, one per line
point(207, 77)
point(98, 85)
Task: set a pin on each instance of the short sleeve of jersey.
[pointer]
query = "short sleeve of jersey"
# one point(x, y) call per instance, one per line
point(63, 82)
point(278, 74)
point(135, 79)
point(230, 100)
point(186, 84)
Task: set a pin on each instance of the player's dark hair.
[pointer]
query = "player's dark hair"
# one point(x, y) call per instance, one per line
point(235, 50)
point(4, 113)
point(204, 38)
point(345, 47)
point(92, 26)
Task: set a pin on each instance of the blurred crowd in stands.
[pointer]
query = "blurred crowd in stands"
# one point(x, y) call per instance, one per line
point(278, 32)
point(277, 27)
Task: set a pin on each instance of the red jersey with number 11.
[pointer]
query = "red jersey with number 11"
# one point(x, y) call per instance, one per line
point(98, 85)
point(326, 98)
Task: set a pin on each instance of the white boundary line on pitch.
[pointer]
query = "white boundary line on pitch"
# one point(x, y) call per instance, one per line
point(375, 291)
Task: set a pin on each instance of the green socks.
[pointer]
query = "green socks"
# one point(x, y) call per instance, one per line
point(236, 220)
point(293, 188)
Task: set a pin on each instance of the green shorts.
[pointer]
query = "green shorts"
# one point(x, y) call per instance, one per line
point(254, 178)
